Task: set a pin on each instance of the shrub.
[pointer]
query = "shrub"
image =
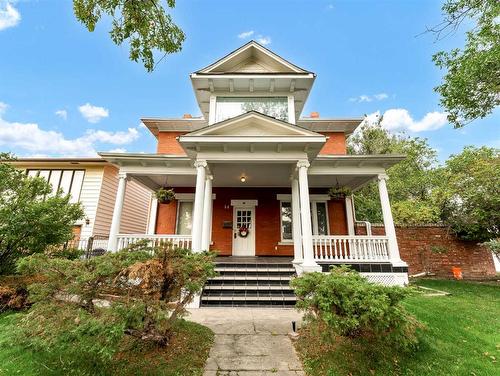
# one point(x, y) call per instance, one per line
point(345, 304)
point(89, 307)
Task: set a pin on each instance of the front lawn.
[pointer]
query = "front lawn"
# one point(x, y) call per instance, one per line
point(462, 338)
point(186, 355)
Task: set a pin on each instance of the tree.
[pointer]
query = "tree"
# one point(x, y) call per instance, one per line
point(31, 217)
point(93, 307)
point(469, 193)
point(471, 85)
point(145, 24)
point(410, 181)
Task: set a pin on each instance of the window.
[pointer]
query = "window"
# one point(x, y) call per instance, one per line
point(68, 181)
point(228, 107)
point(319, 219)
point(184, 218)
point(286, 220)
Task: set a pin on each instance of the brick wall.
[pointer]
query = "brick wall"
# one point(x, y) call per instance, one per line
point(168, 144)
point(335, 144)
point(435, 250)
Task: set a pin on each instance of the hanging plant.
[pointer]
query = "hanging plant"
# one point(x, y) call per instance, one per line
point(165, 195)
point(339, 192)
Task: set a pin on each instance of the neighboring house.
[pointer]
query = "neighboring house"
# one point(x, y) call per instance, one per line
point(251, 175)
point(93, 182)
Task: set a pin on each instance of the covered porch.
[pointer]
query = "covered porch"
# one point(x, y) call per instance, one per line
point(285, 199)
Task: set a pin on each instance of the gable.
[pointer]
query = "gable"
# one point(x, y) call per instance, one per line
point(253, 124)
point(252, 58)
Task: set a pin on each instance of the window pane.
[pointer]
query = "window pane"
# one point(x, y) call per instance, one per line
point(65, 185)
point(44, 174)
point(185, 218)
point(55, 176)
point(32, 173)
point(322, 221)
point(228, 107)
point(76, 186)
point(286, 221)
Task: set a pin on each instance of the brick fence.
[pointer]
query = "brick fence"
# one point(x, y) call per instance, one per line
point(433, 249)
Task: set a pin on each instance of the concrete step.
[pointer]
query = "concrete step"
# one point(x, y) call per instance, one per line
point(246, 287)
point(245, 277)
point(256, 269)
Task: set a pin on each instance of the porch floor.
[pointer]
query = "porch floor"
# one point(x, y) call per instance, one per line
point(254, 259)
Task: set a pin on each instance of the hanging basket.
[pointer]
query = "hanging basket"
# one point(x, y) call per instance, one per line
point(165, 195)
point(339, 193)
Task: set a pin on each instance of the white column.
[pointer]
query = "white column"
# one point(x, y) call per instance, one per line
point(117, 213)
point(390, 231)
point(349, 213)
point(207, 215)
point(308, 264)
point(198, 205)
point(297, 236)
point(153, 211)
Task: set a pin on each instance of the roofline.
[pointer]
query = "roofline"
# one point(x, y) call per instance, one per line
point(245, 45)
point(361, 157)
point(330, 120)
point(56, 160)
point(143, 156)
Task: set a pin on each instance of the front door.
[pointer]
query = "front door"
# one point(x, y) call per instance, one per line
point(244, 231)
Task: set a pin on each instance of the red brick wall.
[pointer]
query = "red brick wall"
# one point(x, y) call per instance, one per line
point(335, 144)
point(267, 216)
point(419, 246)
point(168, 144)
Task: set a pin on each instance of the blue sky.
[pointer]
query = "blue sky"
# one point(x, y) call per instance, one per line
point(65, 91)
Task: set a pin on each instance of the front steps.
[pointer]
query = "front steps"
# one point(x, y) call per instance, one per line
point(250, 283)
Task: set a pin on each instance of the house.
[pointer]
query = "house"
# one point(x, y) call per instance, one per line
point(251, 176)
point(93, 182)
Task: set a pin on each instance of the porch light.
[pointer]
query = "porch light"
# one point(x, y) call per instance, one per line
point(243, 178)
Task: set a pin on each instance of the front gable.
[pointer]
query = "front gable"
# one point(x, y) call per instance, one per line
point(253, 124)
point(252, 58)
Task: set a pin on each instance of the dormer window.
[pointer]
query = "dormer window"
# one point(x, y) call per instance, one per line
point(229, 107)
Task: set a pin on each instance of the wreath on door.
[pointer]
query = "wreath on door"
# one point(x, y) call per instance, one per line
point(243, 231)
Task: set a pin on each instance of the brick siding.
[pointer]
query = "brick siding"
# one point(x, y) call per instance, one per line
point(435, 250)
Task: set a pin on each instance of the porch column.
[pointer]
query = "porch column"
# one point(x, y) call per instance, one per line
point(308, 264)
point(117, 213)
point(207, 215)
point(200, 166)
point(349, 213)
point(390, 231)
point(297, 236)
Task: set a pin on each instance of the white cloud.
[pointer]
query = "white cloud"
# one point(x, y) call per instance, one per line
point(9, 16)
point(93, 114)
point(118, 150)
point(246, 34)
point(330, 7)
point(369, 98)
point(264, 40)
point(63, 114)
point(399, 119)
point(35, 140)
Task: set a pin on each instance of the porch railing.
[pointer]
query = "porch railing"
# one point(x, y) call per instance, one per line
point(182, 241)
point(350, 248)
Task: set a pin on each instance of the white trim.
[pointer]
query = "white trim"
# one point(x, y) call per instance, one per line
point(253, 225)
point(244, 203)
point(289, 241)
point(313, 197)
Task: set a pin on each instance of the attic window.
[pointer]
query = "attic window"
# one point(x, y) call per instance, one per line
point(228, 107)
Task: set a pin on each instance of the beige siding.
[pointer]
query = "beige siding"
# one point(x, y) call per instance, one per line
point(135, 209)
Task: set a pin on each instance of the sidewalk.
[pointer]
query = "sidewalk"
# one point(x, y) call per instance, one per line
point(250, 341)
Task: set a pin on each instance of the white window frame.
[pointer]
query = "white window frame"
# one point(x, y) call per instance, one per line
point(314, 199)
point(185, 197)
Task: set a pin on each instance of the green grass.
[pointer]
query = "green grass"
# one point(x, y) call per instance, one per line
point(185, 355)
point(462, 337)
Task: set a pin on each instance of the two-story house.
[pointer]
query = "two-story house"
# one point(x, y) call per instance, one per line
point(251, 175)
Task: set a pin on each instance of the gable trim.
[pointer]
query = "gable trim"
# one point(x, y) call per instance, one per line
point(208, 69)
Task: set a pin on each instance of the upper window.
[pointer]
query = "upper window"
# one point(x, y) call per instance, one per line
point(69, 181)
point(228, 107)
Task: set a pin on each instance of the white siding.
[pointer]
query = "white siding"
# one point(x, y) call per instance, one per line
point(89, 197)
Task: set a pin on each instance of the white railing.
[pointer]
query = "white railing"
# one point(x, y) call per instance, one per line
point(182, 241)
point(350, 248)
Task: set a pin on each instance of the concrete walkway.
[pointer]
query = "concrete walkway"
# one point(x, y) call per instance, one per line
point(250, 341)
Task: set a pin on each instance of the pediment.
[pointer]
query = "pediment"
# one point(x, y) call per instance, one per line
point(252, 58)
point(253, 124)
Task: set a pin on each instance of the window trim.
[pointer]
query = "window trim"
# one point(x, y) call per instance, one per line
point(314, 223)
point(289, 99)
point(50, 170)
point(179, 201)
